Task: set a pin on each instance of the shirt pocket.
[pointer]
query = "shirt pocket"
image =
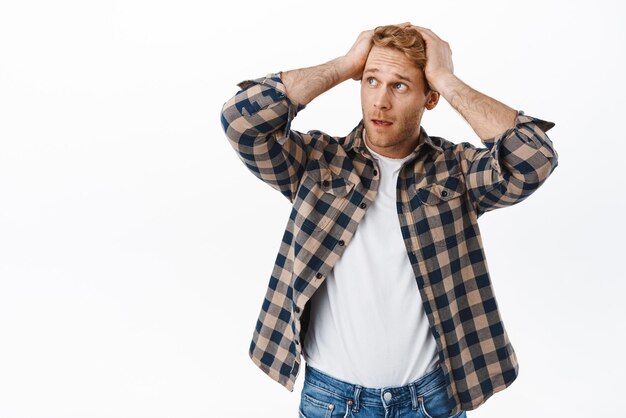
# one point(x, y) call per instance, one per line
point(321, 197)
point(442, 210)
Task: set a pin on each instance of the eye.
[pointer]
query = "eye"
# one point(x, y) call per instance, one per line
point(400, 86)
point(371, 81)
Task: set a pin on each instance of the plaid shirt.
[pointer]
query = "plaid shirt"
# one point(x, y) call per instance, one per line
point(441, 191)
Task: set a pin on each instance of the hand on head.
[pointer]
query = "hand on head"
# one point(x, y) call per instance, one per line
point(438, 56)
point(357, 56)
point(438, 53)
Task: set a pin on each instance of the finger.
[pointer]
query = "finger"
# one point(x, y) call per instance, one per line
point(423, 29)
point(426, 32)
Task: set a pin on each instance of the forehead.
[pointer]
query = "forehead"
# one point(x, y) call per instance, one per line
point(390, 61)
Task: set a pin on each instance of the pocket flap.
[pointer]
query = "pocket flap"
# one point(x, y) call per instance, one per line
point(328, 181)
point(445, 190)
point(337, 186)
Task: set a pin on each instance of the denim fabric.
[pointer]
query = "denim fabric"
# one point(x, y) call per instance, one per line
point(324, 396)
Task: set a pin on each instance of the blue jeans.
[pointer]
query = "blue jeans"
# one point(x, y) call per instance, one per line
point(324, 396)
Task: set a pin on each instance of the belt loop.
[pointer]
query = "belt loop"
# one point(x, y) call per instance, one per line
point(414, 401)
point(357, 395)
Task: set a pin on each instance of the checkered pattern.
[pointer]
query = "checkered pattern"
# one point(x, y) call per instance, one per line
point(443, 189)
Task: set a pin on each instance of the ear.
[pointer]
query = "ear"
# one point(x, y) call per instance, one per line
point(431, 100)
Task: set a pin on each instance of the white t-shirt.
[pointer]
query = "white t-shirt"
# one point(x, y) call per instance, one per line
point(367, 324)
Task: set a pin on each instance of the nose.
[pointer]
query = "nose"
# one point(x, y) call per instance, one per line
point(381, 101)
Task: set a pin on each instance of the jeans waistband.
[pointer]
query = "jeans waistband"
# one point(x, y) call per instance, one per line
point(376, 396)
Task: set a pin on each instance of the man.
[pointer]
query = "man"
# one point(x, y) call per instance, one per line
point(381, 281)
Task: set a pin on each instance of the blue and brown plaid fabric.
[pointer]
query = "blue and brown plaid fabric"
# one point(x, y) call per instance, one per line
point(442, 191)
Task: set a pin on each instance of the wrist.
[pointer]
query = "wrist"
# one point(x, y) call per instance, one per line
point(445, 83)
point(346, 68)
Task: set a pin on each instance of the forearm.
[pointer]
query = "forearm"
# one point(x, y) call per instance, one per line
point(487, 116)
point(305, 84)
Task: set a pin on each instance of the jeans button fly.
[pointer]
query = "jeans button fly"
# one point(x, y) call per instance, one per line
point(387, 396)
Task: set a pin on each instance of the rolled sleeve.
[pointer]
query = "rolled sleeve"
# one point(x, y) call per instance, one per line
point(257, 122)
point(512, 166)
point(269, 92)
point(527, 132)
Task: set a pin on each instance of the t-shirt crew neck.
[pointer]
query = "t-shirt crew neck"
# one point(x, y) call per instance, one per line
point(380, 157)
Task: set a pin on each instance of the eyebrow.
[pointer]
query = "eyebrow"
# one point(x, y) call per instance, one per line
point(376, 70)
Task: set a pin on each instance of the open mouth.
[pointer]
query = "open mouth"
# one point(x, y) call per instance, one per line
point(381, 123)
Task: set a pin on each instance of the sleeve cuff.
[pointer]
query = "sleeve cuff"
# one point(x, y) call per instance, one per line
point(274, 81)
point(521, 121)
point(279, 94)
point(544, 125)
point(527, 129)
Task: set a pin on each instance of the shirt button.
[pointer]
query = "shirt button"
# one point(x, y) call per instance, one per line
point(297, 309)
point(326, 183)
point(341, 243)
point(363, 205)
point(444, 193)
point(319, 275)
point(387, 396)
point(375, 172)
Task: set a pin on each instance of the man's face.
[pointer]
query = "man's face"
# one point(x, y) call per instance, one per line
point(393, 100)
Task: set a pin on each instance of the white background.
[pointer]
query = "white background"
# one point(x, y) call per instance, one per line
point(135, 247)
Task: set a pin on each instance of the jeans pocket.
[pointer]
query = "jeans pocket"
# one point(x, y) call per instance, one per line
point(320, 403)
point(436, 404)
